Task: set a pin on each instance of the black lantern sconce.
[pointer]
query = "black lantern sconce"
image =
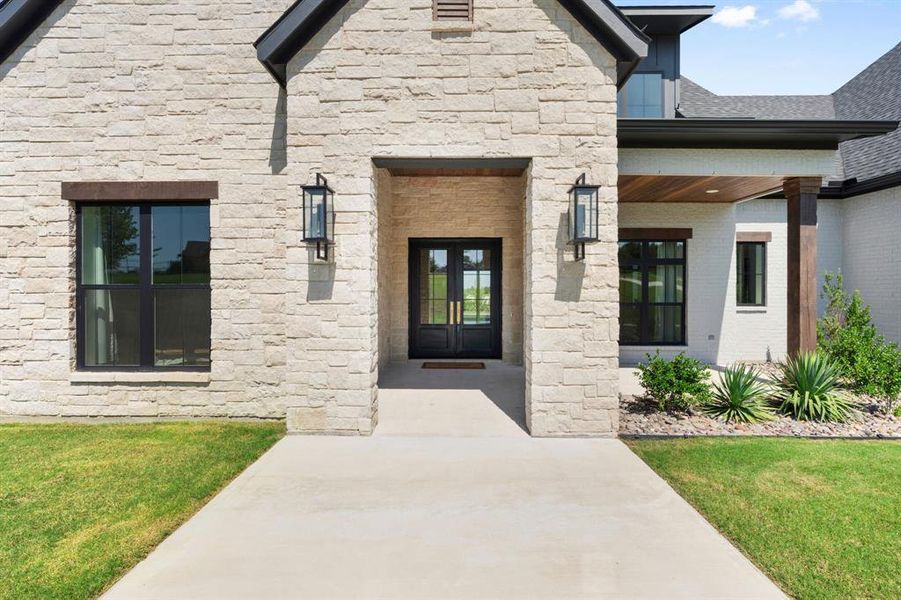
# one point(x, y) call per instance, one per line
point(583, 215)
point(319, 215)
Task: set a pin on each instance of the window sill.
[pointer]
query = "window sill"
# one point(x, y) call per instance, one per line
point(140, 377)
point(453, 26)
point(751, 310)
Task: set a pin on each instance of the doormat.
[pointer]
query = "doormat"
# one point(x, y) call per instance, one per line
point(453, 365)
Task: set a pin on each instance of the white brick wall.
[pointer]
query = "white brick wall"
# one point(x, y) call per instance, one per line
point(872, 255)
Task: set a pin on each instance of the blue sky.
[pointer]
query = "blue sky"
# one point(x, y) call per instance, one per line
point(786, 46)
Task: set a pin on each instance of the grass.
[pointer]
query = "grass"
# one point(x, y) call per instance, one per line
point(821, 518)
point(81, 504)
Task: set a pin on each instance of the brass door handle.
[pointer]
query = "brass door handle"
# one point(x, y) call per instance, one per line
point(453, 311)
point(459, 313)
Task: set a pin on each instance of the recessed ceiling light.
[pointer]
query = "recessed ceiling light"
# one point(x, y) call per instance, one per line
point(713, 191)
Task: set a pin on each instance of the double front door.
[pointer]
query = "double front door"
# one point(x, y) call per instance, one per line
point(455, 298)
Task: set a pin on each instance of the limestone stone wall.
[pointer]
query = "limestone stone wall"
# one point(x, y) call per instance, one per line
point(450, 207)
point(528, 81)
point(132, 91)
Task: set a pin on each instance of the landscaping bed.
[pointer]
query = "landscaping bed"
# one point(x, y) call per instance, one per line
point(82, 504)
point(640, 417)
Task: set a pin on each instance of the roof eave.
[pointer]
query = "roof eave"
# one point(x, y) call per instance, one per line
point(745, 133)
point(284, 38)
point(19, 19)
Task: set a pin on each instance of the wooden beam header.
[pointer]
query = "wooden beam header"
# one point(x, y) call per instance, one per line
point(124, 191)
point(753, 236)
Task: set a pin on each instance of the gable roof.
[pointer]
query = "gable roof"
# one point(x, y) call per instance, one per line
point(18, 19)
point(284, 38)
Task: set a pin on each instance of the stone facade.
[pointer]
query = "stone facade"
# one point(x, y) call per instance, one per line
point(528, 81)
point(156, 91)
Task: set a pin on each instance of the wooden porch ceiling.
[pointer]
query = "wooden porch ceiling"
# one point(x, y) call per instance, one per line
point(694, 188)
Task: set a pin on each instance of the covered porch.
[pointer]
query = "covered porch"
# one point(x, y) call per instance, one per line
point(718, 251)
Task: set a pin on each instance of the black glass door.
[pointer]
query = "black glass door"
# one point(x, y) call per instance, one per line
point(455, 298)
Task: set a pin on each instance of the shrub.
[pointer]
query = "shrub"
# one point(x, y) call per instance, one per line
point(808, 390)
point(868, 363)
point(739, 396)
point(674, 384)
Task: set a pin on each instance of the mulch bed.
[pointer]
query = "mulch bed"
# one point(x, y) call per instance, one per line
point(640, 417)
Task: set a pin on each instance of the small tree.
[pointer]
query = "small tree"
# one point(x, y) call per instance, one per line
point(868, 363)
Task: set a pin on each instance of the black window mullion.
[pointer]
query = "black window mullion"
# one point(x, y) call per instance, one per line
point(79, 294)
point(145, 279)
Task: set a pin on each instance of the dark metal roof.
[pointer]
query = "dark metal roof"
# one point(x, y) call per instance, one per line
point(18, 19)
point(745, 133)
point(677, 19)
point(284, 38)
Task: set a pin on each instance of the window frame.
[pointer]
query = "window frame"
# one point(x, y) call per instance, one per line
point(644, 262)
point(623, 95)
point(145, 288)
point(738, 282)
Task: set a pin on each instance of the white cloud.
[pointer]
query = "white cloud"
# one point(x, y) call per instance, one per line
point(736, 16)
point(801, 10)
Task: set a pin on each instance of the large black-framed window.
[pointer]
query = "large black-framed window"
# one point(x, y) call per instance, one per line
point(750, 288)
point(652, 276)
point(143, 286)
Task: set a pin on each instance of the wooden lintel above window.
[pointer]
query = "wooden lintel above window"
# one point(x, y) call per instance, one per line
point(753, 236)
point(144, 191)
point(654, 233)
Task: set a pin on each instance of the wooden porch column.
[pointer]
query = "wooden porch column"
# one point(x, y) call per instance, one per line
point(801, 195)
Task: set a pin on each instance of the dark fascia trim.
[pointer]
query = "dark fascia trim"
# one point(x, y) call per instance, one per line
point(745, 133)
point(18, 19)
point(674, 19)
point(303, 19)
point(655, 233)
point(852, 187)
point(126, 191)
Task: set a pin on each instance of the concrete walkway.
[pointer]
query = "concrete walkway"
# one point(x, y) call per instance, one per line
point(423, 510)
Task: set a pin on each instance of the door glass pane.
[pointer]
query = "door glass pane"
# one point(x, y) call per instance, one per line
point(433, 286)
point(109, 245)
point(665, 324)
point(630, 284)
point(476, 287)
point(181, 244)
point(111, 319)
point(665, 283)
point(181, 327)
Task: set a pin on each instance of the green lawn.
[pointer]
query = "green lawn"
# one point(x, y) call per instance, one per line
point(822, 518)
point(80, 504)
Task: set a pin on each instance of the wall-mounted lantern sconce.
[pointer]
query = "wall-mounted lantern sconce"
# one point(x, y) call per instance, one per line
point(319, 215)
point(583, 215)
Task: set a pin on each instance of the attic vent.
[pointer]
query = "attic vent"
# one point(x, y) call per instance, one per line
point(452, 10)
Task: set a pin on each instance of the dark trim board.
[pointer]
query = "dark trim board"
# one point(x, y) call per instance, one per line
point(654, 233)
point(753, 236)
point(19, 19)
point(789, 134)
point(123, 191)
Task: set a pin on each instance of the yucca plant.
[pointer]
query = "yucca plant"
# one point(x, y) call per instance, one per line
point(807, 389)
point(739, 396)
